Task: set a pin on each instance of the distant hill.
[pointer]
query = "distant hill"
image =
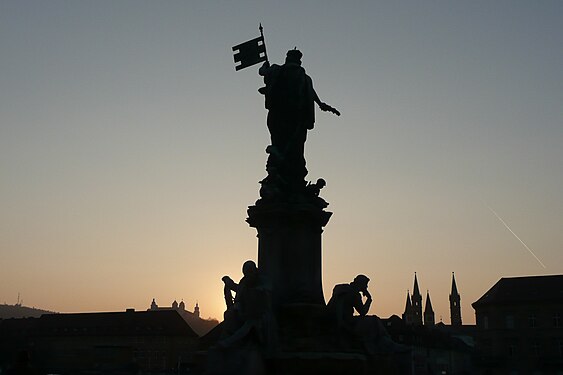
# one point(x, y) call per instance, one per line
point(19, 311)
point(200, 326)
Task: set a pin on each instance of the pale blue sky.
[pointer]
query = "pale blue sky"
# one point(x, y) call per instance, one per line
point(130, 148)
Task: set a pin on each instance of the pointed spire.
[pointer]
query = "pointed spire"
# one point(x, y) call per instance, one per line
point(454, 286)
point(428, 304)
point(416, 303)
point(415, 291)
point(429, 318)
point(408, 314)
point(455, 305)
point(408, 305)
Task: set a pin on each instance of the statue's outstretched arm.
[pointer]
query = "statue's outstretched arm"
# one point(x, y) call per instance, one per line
point(323, 106)
point(327, 108)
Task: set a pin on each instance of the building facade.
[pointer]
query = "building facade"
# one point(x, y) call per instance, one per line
point(520, 326)
point(102, 343)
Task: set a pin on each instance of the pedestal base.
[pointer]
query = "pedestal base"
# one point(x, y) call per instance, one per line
point(289, 250)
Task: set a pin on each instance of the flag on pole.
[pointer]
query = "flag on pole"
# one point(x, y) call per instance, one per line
point(250, 53)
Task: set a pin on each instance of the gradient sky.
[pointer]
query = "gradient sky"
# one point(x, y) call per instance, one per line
point(130, 148)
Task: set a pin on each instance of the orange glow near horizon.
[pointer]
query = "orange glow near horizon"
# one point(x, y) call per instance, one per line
point(130, 148)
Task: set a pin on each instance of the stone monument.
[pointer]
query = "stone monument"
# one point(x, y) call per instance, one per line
point(290, 215)
point(278, 322)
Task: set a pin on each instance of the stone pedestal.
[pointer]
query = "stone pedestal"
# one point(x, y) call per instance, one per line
point(289, 250)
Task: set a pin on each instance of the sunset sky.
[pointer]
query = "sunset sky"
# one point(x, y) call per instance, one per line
point(130, 148)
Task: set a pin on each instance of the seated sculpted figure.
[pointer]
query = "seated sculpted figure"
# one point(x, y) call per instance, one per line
point(249, 312)
point(366, 328)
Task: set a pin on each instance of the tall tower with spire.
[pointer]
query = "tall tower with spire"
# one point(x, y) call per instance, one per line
point(416, 304)
point(154, 306)
point(455, 304)
point(196, 310)
point(407, 315)
point(429, 318)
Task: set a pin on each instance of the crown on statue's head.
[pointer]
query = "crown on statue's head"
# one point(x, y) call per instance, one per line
point(294, 55)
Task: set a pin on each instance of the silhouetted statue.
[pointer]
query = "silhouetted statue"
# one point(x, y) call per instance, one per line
point(348, 297)
point(249, 312)
point(314, 190)
point(368, 329)
point(230, 287)
point(290, 100)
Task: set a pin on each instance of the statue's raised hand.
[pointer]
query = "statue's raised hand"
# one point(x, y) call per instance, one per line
point(327, 108)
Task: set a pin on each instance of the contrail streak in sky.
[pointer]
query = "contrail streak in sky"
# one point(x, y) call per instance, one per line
point(518, 238)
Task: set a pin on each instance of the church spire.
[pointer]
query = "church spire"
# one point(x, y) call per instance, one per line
point(416, 303)
point(429, 318)
point(408, 306)
point(407, 315)
point(415, 291)
point(454, 286)
point(196, 309)
point(455, 304)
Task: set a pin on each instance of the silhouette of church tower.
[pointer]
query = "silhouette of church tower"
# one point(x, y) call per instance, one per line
point(429, 319)
point(196, 310)
point(413, 307)
point(407, 315)
point(416, 304)
point(455, 305)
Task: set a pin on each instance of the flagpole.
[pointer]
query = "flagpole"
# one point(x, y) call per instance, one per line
point(263, 41)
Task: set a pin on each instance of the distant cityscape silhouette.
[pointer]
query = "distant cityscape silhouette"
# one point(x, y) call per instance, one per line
point(519, 326)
